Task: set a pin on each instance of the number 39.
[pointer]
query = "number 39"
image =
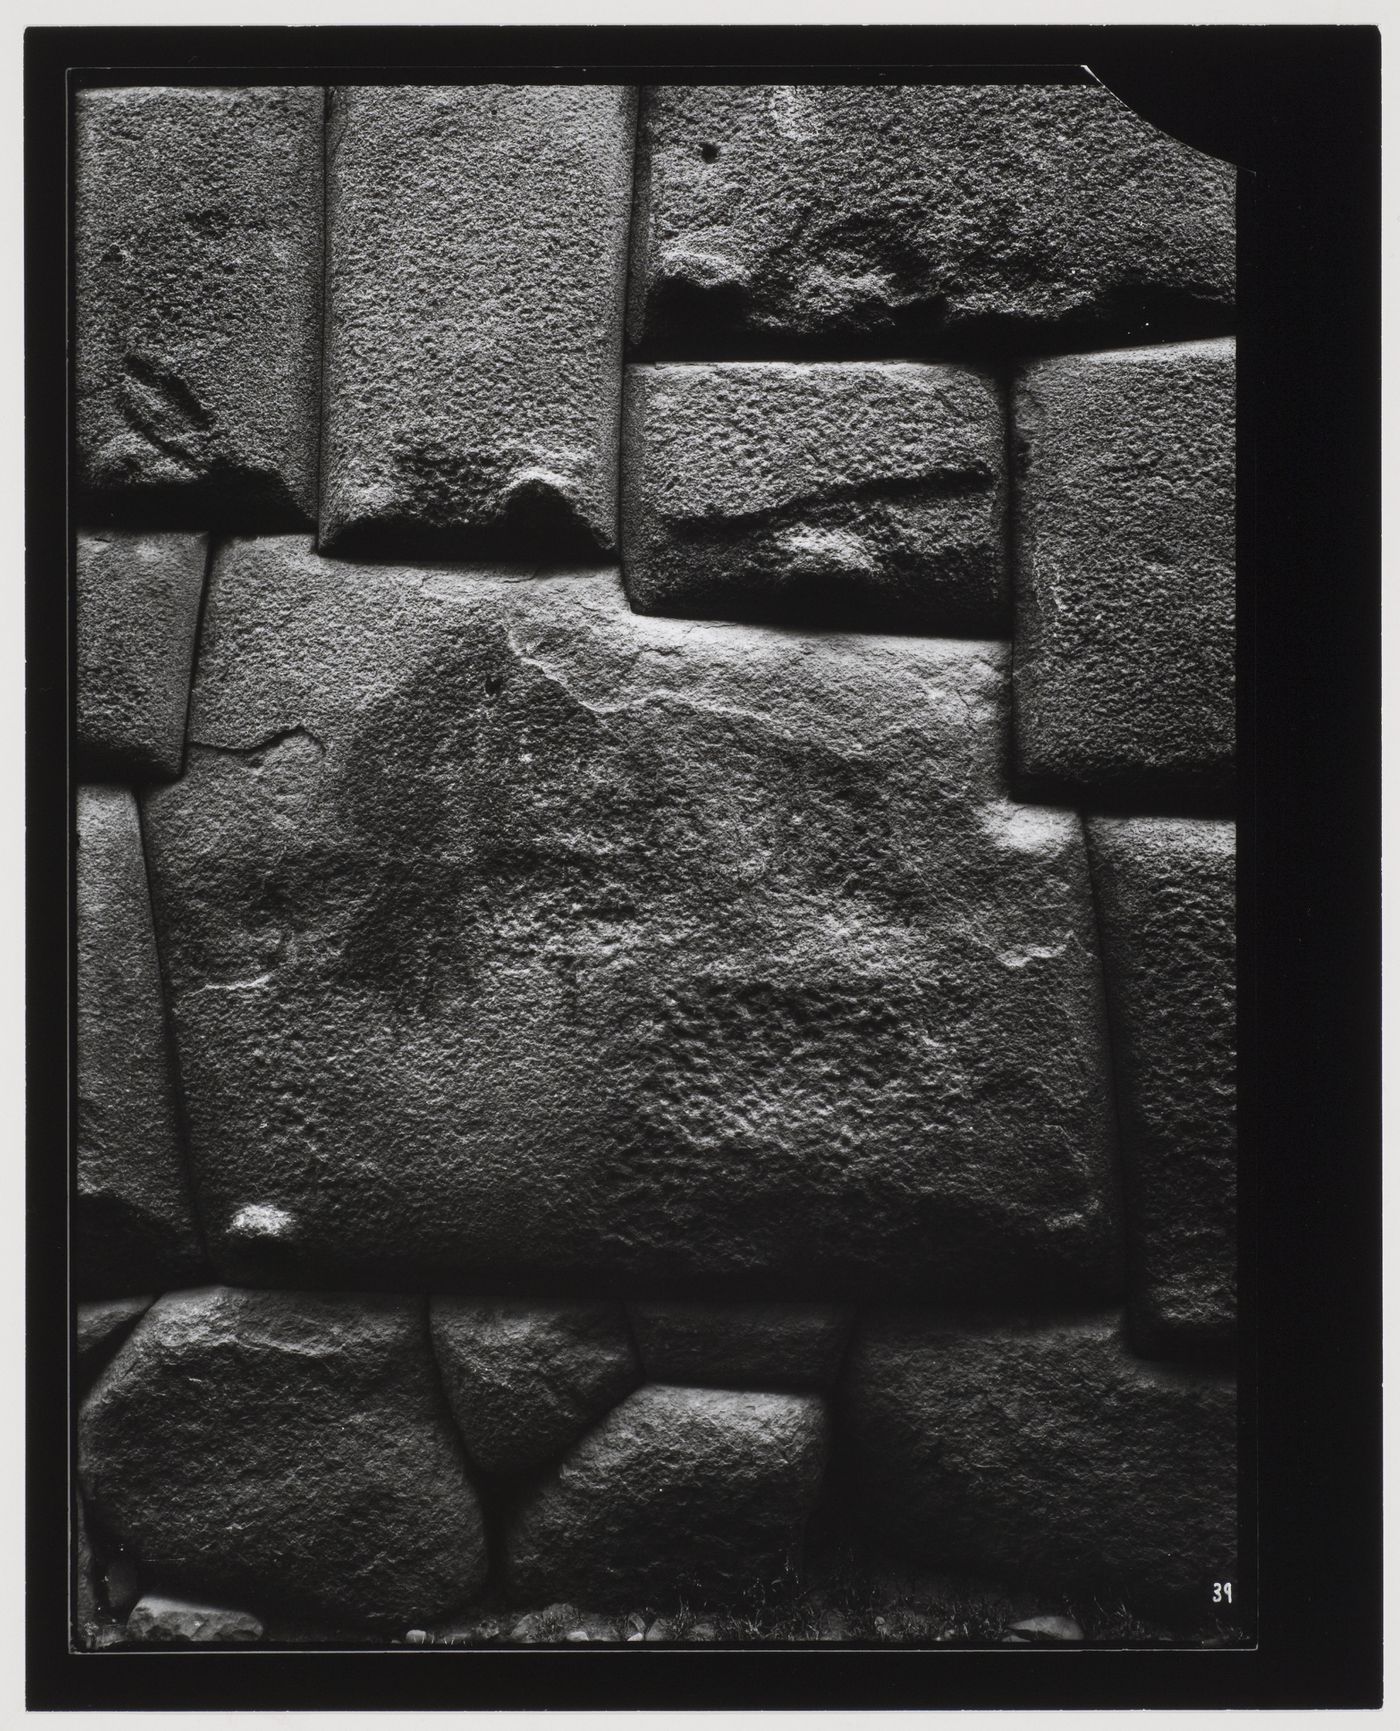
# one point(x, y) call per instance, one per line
point(1222, 1593)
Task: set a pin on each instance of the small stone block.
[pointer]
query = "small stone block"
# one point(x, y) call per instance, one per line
point(180, 1622)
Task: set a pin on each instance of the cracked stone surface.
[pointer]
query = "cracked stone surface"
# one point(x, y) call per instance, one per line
point(1041, 1449)
point(514, 933)
point(1166, 892)
point(868, 493)
point(307, 1429)
point(198, 259)
point(138, 602)
point(697, 1490)
point(132, 1227)
point(742, 1345)
point(526, 1379)
point(1125, 621)
point(473, 368)
point(919, 214)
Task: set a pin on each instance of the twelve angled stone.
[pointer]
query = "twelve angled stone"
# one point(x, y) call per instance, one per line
point(866, 492)
point(478, 241)
point(138, 617)
point(524, 1380)
point(198, 260)
point(1041, 1451)
point(906, 214)
point(1166, 889)
point(696, 1491)
point(1125, 623)
point(513, 933)
point(285, 1449)
point(742, 1345)
point(133, 1229)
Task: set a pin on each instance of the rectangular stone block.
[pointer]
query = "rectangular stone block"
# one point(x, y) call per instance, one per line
point(477, 271)
point(1166, 896)
point(786, 218)
point(514, 936)
point(1125, 613)
point(132, 1229)
point(198, 261)
point(138, 602)
point(868, 494)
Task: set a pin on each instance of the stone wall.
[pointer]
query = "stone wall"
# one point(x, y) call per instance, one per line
point(655, 871)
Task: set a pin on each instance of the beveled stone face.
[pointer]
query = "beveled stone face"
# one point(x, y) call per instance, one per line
point(512, 934)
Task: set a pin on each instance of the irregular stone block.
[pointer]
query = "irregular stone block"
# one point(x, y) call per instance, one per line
point(525, 1380)
point(477, 241)
point(919, 214)
point(286, 1449)
point(864, 493)
point(138, 616)
point(1166, 892)
point(100, 1329)
point(163, 1621)
point(742, 1345)
point(132, 1226)
point(1043, 1451)
point(692, 1490)
point(514, 933)
point(198, 260)
point(1125, 623)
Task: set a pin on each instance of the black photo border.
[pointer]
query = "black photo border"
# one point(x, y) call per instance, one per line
point(1298, 108)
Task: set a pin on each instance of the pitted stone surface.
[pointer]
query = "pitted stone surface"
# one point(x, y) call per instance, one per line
point(870, 493)
point(742, 1345)
point(912, 214)
point(285, 1449)
point(1041, 1450)
point(138, 616)
point(513, 933)
point(132, 1225)
point(1166, 891)
point(198, 263)
point(693, 1490)
point(524, 1380)
point(100, 1327)
point(478, 240)
point(1125, 621)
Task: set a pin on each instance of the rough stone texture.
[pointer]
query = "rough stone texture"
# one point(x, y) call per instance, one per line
point(286, 1449)
point(1041, 1450)
point(515, 937)
point(138, 616)
point(477, 266)
point(524, 1380)
point(132, 1228)
point(198, 259)
point(742, 1345)
point(1166, 891)
point(163, 1621)
point(696, 1490)
point(919, 214)
point(100, 1329)
point(866, 493)
point(1125, 624)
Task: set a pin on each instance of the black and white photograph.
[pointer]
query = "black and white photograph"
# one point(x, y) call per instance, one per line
point(671, 810)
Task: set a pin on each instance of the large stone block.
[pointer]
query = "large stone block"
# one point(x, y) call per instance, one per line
point(913, 214)
point(1166, 893)
point(515, 937)
point(132, 1227)
point(867, 493)
point(742, 1345)
point(1125, 620)
point(198, 259)
point(692, 1491)
point(1041, 1451)
point(524, 1380)
point(138, 617)
point(287, 1450)
point(478, 240)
